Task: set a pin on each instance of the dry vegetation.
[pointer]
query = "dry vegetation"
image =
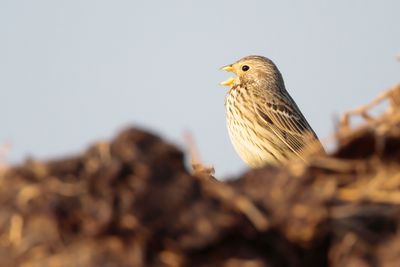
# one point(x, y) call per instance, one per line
point(132, 202)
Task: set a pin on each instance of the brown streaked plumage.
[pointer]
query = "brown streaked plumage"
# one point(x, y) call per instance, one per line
point(264, 123)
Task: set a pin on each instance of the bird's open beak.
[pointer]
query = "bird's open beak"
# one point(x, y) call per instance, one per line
point(230, 81)
point(228, 68)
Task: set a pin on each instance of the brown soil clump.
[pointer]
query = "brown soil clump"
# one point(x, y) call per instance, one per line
point(132, 202)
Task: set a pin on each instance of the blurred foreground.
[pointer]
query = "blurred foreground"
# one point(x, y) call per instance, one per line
point(131, 202)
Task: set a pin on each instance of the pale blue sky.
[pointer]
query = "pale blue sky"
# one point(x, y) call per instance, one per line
point(73, 72)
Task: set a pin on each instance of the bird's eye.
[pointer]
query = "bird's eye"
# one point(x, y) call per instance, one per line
point(245, 68)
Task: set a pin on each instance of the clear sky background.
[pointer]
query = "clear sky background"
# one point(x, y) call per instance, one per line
point(73, 72)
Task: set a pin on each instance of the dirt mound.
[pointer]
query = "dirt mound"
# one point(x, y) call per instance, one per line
point(131, 202)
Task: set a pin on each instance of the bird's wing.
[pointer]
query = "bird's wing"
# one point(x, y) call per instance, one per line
point(287, 122)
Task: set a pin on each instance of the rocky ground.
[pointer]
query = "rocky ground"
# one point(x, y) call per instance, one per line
point(132, 202)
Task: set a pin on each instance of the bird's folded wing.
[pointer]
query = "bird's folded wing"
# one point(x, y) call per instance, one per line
point(288, 125)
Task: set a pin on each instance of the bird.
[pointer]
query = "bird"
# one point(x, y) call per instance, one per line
point(264, 123)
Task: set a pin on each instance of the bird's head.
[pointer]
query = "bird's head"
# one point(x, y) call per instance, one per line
point(253, 69)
